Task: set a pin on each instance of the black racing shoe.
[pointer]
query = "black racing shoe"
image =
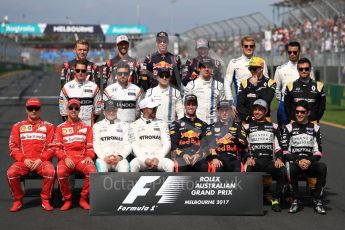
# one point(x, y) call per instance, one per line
point(275, 206)
point(318, 207)
point(294, 206)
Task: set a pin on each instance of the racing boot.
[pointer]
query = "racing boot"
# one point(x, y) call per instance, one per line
point(84, 204)
point(66, 206)
point(46, 205)
point(16, 206)
point(294, 206)
point(275, 205)
point(318, 207)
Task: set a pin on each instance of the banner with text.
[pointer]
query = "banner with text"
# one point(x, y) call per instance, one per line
point(171, 193)
point(123, 29)
point(62, 28)
point(22, 28)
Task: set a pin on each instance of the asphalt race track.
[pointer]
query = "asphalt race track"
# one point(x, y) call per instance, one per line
point(15, 89)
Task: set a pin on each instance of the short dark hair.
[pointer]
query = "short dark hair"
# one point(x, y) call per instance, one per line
point(295, 43)
point(190, 97)
point(304, 60)
point(122, 64)
point(304, 104)
point(81, 62)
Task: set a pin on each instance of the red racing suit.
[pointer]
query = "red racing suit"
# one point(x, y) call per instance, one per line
point(31, 140)
point(74, 140)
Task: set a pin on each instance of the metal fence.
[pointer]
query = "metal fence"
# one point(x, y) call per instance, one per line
point(9, 50)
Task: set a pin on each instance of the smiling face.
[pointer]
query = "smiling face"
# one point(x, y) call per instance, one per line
point(110, 114)
point(122, 47)
point(150, 113)
point(259, 112)
point(190, 107)
point(301, 114)
point(73, 112)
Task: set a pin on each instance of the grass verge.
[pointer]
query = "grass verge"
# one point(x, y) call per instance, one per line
point(334, 114)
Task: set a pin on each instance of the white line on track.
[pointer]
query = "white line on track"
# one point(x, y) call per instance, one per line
point(27, 97)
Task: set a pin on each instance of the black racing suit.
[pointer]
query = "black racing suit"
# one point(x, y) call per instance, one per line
point(313, 92)
point(109, 70)
point(248, 93)
point(186, 136)
point(264, 149)
point(225, 142)
point(191, 70)
point(156, 61)
point(303, 141)
point(68, 72)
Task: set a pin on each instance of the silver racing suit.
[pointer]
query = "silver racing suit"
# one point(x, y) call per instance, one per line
point(150, 139)
point(110, 138)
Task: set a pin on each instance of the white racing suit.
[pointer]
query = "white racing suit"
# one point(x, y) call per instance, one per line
point(111, 138)
point(89, 96)
point(150, 139)
point(209, 93)
point(236, 72)
point(126, 99)
point(170, 100)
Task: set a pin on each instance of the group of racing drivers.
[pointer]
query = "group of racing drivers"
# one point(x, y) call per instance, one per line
point(159, 117)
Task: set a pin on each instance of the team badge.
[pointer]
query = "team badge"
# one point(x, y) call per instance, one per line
point(67, 131)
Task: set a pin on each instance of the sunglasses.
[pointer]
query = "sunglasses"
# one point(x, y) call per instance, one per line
point(253, 69)
point(292, 52)
point(123, 74)
point(249, 46)
point(301, 111)
point(33, 108)
point(307, 69)
point(165, 41)
point(80, 70)
point(74, 108)
point(164, 76)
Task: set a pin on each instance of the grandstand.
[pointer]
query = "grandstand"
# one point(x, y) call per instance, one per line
point(319, 25)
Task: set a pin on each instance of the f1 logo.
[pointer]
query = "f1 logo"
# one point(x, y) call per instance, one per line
point(139, 188)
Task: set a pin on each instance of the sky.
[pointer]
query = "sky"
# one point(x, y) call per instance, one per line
point(174, 16)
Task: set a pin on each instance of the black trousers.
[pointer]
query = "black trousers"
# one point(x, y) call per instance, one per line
point(316, 169)
point(230, 163)
point(278, 174)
